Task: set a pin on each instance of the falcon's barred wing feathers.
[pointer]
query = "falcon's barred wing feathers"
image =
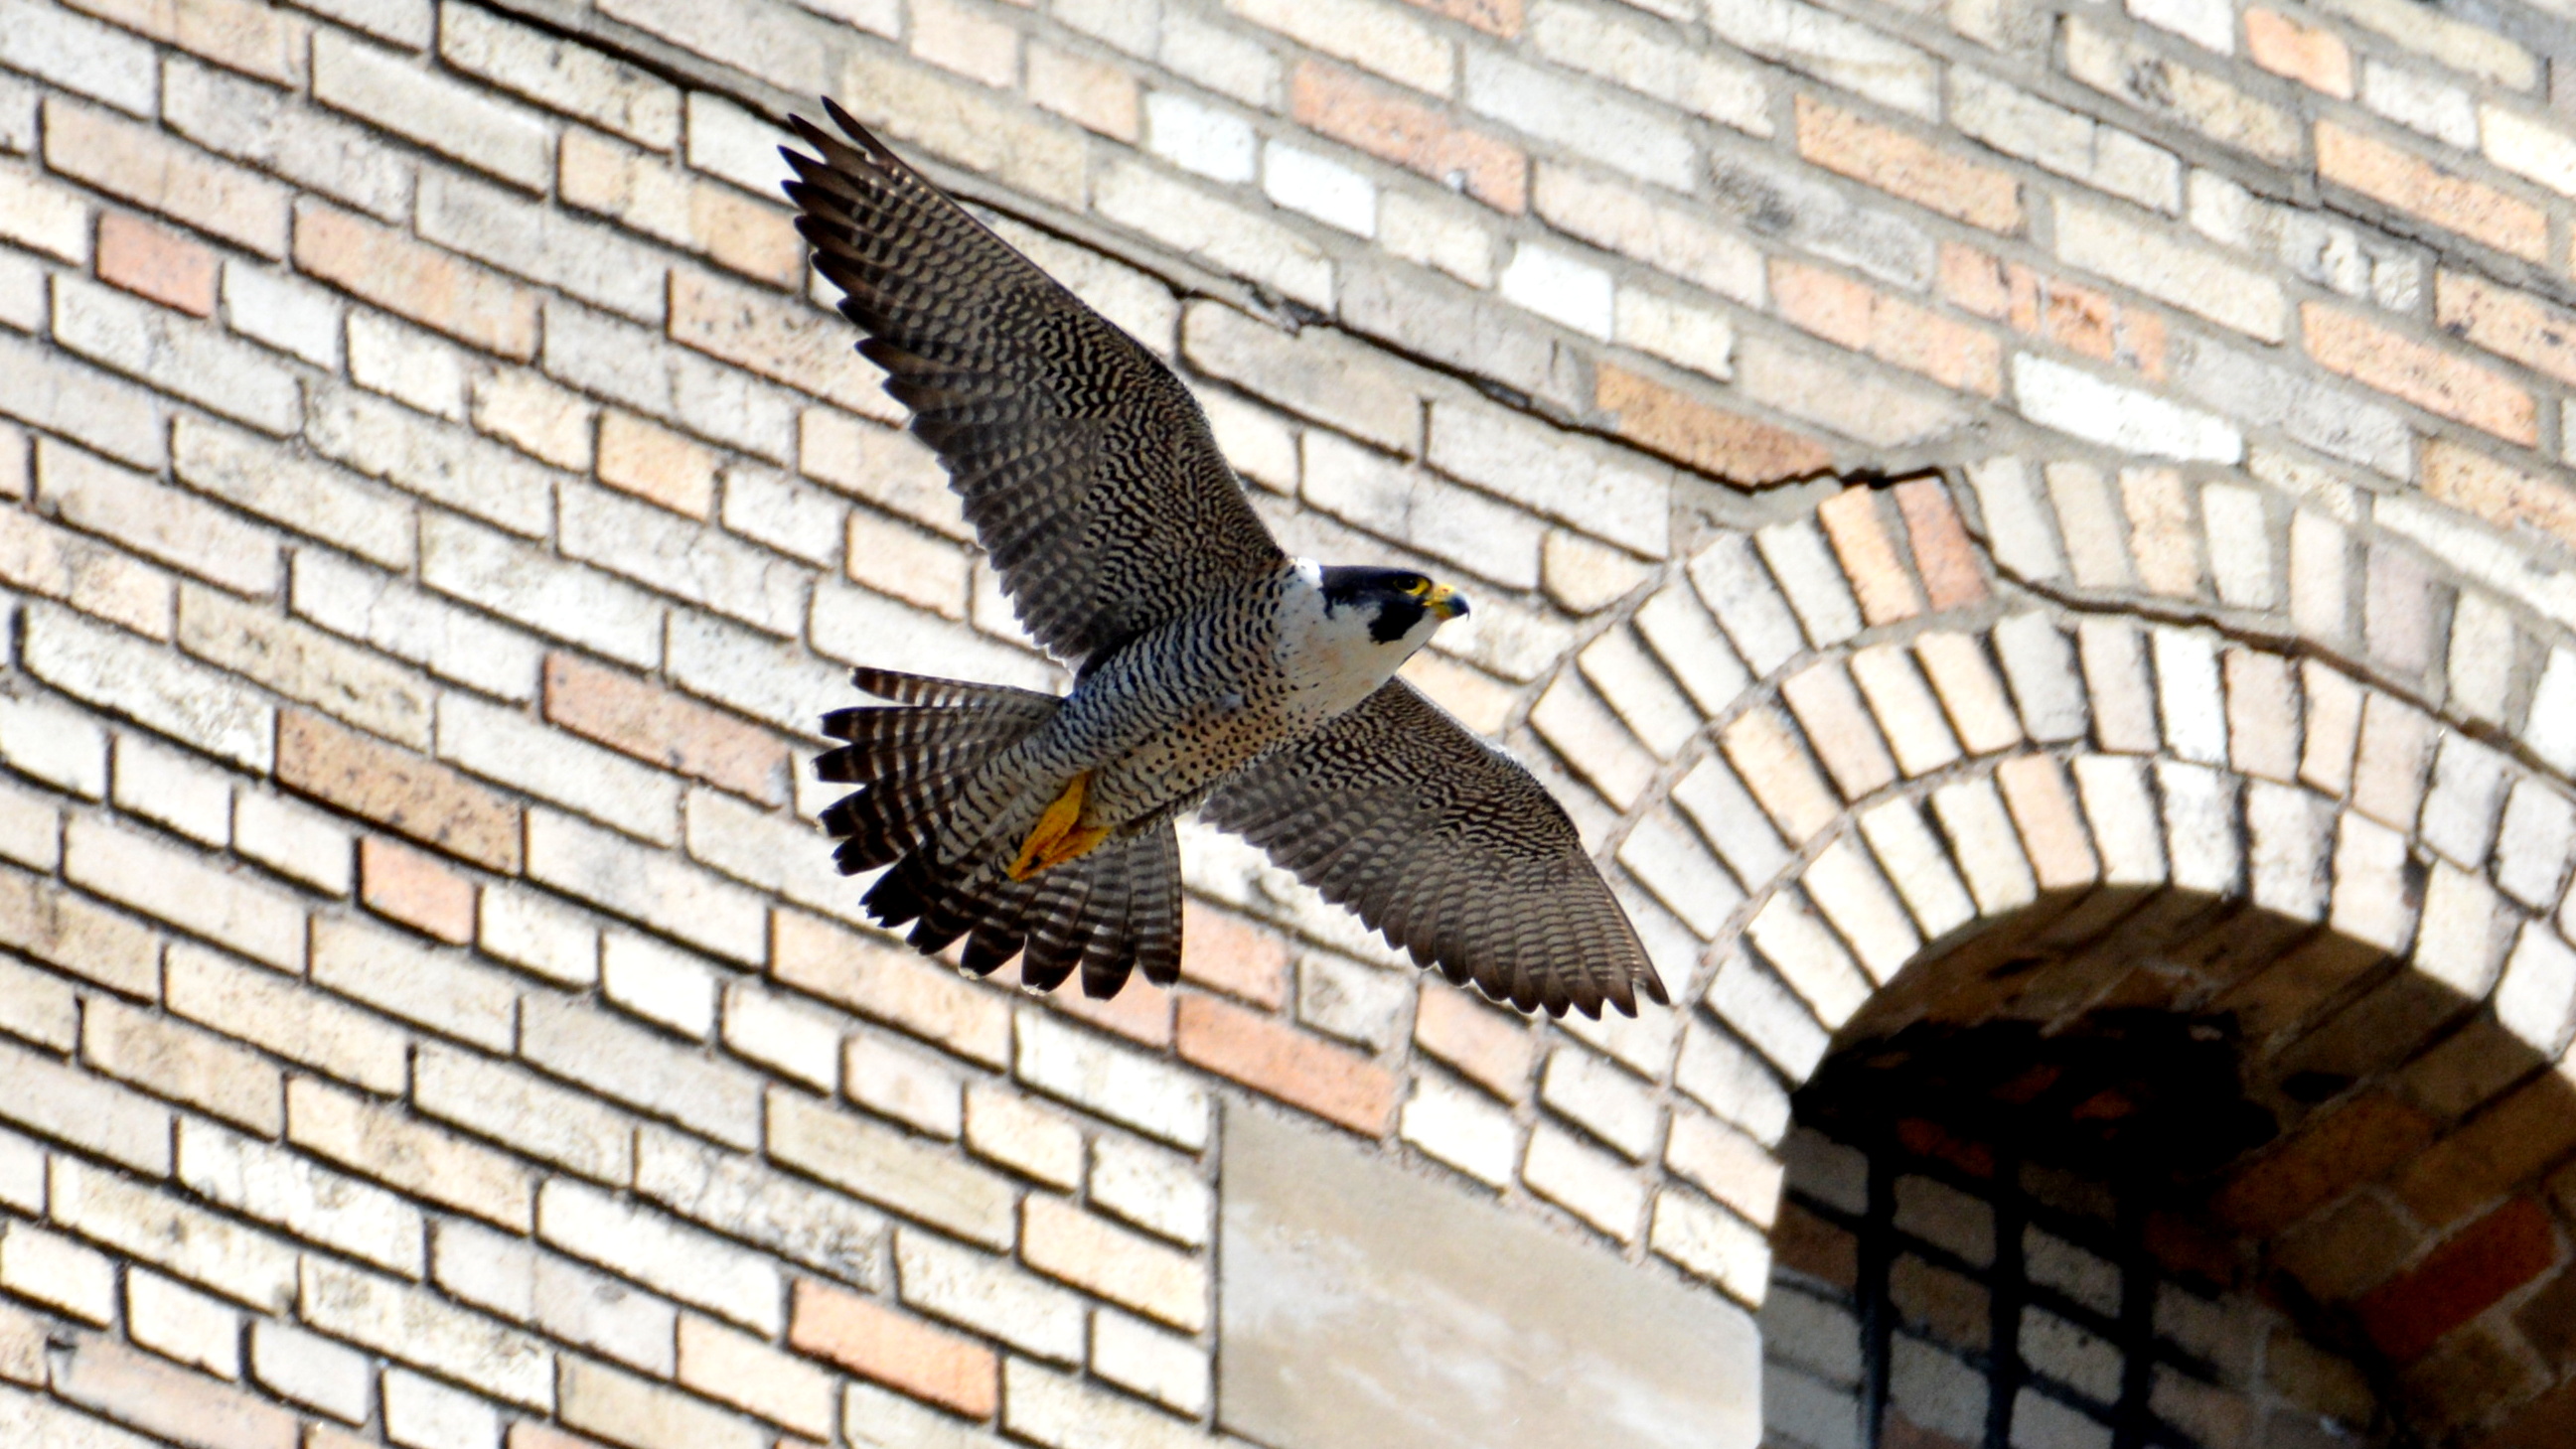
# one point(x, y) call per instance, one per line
point(1088, 471)
point(1449, 848)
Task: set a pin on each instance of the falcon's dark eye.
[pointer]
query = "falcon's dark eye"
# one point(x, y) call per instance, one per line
point(1415, 586)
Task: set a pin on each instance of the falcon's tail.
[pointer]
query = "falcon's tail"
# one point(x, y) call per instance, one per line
point(1117, 907)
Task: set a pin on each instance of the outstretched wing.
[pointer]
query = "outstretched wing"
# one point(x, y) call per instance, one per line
point(1449, 848)
point(1087, 468)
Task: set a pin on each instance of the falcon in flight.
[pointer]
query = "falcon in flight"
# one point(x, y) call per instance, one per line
point(1211, 670)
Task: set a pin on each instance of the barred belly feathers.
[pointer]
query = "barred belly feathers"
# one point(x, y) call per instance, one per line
point(1211, 671)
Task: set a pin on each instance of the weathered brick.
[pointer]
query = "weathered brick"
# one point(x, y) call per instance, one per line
point(990, 1295)
point(928, 1362)
point(1727, 445)
point(102, 412)
point(253, 474)
point(274, 131)
point(445, 115)
point(2121, 67)
point(1062, 1241)
point(413, 1156)
point(94, 578)
point(1906, 166)
point(559, 73)
point(421, 282)
point(424, 800)
point(1834, 49)
point(160, 174)
point(2437, 381)
point(1335, 103)
point(2411, 184)
point(189, 359)
point(135, 1389)
point(886, 1167)
point(2493, 1256)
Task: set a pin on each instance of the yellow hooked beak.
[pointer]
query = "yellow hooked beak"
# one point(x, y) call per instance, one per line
point(1445, 602)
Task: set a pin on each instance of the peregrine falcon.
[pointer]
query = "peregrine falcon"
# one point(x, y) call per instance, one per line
point(1211, 670)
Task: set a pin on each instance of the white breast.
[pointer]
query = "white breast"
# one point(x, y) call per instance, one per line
point(1326, 657)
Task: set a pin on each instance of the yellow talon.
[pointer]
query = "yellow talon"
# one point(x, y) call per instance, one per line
point(1057, 839)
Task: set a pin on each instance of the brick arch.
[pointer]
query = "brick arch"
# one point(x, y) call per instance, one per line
point(1941, 724)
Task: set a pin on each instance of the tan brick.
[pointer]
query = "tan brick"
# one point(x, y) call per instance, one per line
point(2510, 324)
point(2328, 1156)
point(1723, 444)
point(164, 1399)
point(1907, 166)
point(1491, 1047)
point(1494, 17)
point(1838, 727)
point(643, 1414)
point(888, 984)
point(2313, 56)
point(1944, 555)
point(2411, 184)
point(1227, 953)
point(1272, 1057)
point(896, 1349)
point(421, 282)
point(414, 888)
point(2504, 1146)
point(2035, 304)
point(1092, 94)
point(406, 1153)
point(151, 262)
point(2502, 495)
point(160, 173)
point(90, 576)
point(666, 729)
point(891, 558)
point(2262, 716)
point(1866, 320)
point(774, 336)
point(736, 1368)
point(181, 1062)
point(1064, 1242)
point(1857, 527)
point(656, 464)
point(420, 798)
point(237, 34)
point(78, 935)
point(659, 199)
point(2052, 827)
point(1140, 1012)
point(2163, 538)
point(1334, 102)
point(1766, 750)
point(2426, 376)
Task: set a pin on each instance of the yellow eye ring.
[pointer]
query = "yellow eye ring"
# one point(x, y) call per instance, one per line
point(1418, 587)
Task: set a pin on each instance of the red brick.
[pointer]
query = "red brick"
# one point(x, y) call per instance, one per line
point(1861, 318)
point(2459, 1280)
point(656, 464)
point(161, 1398)
point(405, 885)
point(1724, 445)
point(419, 281)
point(2507, 323)
point(2422, 374)
point(1333, 102)
point(1140, 1012)
point(397, 789)
point(670, 730)
point(1225, 952)
point(1493, 1048)
point(896, 1349)
point(2313, 56)
point(1944, 555)
point(2078, 319)
point(150, 261)
point(1879, 578)
point(1494, 17)
point(1908, 166)
point(2548, 1320)
point(2501, 495)
point(2327, 1157)
point(2412, 184)
point(2502, 1147)
point(1272, 1057)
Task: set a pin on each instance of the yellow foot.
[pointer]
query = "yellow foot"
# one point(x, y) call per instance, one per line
point(1057, 838)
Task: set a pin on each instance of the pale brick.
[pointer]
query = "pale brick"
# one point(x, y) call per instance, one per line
point(1225, 236)
point(1066, 1243)
point(772, 508)
point(2481, 656)
point(1462, 1129)
point(311, 1370)
point(303, 663)
point(491, 571)
point(1645, 60)
point(446, 465)
point(59, 1101)
point(1809, 958)
point(555, 72)
point(691, 563)
point(406, 622)
point(614, 360)
point(80, 54)
point(1716, 1245)
point(634, 1066)
point(248, 1266)
point(312, 1203)
point(1050, 1408)
point(1002, 1126)
point(448, 117)
point(2463, 933)
point(56, 1271)
point(30, 1419)
point(644, 1414)
point(908, 1086)
point(1807, 574)
point(1607, 131)
point(889, 1168)
point(428, 1413)
point(413, 1326)
point(683, 1262)
point(192, 360)
point(1669, 240)
point(51, 219)
point(593, 263)
point(745, 1372)
point(2288, 850)
point(1075, 1066)
point(31, 828)
point(535, 1118)
point(1378, 37)
point(2534, 844)
point(1614, 1106)
point(2201, 837)
point(406, 364)
point(2538, 991)
point(173, 1060)
point(50, 391)
point(1739, 591)
point(2123, 817)
point(252, 474)
point(535, 416)
point(161, 174)
point(181, 888)
point(742, 1199)
point(1833, 49)
point(1668, 859)
point(1319, 375)
point(2066, 142)
point(2549, 730)
point(885, 983)
point(1216, 144)
point(276, 132)
point(1164, 1367)
point(990, 1296)
point(2129, 71)
point(727, 141)
point(506, 746)
point(2057, 396)
point(38, 1008)
point(1585, 1181)
point(772, 1030)
point(2390, 763)
point(1617, 498)
point(169, 787)
point(1918, 865)
point(2474, 49)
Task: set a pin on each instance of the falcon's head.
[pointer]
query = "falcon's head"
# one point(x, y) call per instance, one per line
point(1402, 606)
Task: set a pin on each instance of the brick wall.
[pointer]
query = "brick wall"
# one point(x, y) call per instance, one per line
point(438, 515)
